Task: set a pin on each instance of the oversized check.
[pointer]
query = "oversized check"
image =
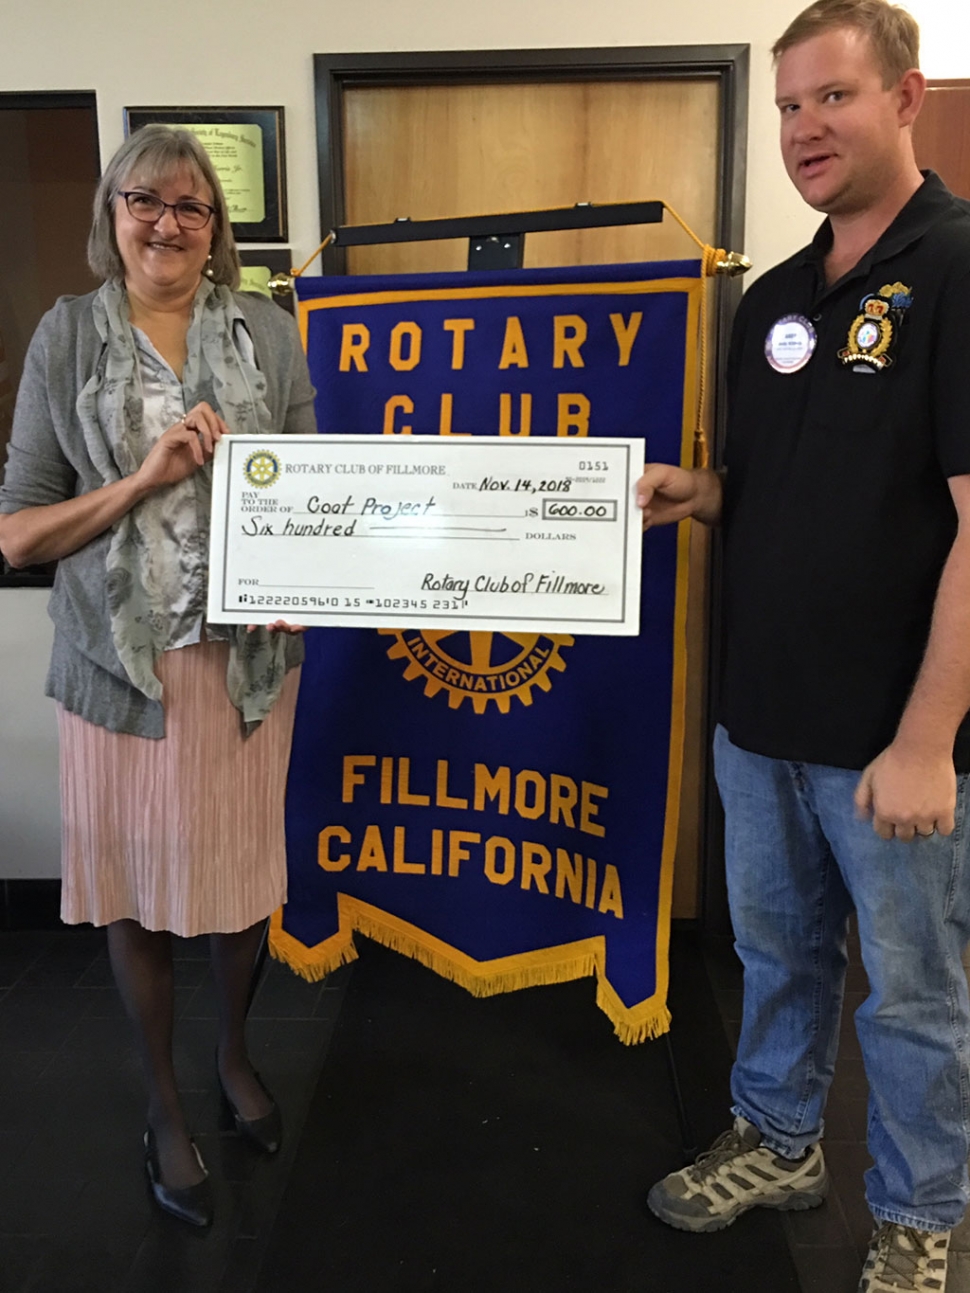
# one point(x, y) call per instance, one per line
point(484, 532)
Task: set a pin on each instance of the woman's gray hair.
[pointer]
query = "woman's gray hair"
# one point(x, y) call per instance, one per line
point(150, 156)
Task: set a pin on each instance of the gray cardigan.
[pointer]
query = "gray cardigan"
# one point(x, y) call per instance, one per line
point(47, 462)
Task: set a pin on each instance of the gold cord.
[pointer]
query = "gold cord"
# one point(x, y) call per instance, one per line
point(711, 260)
point(326, 243)
point(283, 284)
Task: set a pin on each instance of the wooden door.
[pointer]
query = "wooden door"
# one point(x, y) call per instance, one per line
point(456, 150)
point(941, 135)
point(441, 150)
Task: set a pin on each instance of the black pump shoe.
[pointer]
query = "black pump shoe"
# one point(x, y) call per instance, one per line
point(265, 1133)
point(191, 1203)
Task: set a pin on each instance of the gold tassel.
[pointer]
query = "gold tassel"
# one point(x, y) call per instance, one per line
point(714, 260)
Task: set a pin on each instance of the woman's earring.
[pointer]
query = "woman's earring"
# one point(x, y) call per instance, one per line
point(208, 266)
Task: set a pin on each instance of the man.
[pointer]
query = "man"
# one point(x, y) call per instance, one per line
point(844, 741)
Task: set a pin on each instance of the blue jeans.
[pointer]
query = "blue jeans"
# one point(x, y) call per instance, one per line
point(798, 861)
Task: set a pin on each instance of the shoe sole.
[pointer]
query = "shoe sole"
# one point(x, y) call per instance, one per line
point(795, 1201)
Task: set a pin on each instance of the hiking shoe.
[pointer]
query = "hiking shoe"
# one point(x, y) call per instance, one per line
point(903, 1259)
point(735, 1174)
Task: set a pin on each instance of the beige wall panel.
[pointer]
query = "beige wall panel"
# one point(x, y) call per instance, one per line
point(435, 151)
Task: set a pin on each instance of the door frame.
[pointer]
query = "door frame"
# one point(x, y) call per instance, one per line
point(23, 100)
point(728, 65)
point(30, 101)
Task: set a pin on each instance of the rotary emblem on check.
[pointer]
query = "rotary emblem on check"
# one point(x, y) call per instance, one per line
point(262, 468)
point(480, 667)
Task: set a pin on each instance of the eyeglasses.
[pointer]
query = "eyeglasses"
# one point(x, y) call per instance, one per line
point(150, 209)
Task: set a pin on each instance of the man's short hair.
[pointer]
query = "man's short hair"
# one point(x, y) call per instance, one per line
point(894, 33)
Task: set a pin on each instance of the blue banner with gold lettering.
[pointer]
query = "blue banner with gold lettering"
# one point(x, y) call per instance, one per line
point(501, 806)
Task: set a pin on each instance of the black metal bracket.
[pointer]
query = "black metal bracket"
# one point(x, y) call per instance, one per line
point(498, 241)
point(496, 251)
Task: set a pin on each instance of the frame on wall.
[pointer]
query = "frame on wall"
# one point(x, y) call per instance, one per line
point(247, 148)
point(263, 263)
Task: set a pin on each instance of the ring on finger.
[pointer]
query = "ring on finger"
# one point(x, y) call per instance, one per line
point(926, 834)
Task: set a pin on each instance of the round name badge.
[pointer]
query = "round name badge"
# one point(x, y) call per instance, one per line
point(790, 343)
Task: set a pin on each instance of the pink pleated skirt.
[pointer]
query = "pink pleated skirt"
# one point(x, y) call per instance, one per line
point(185, 833)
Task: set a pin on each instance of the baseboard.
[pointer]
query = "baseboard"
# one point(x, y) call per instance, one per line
point(30, 904)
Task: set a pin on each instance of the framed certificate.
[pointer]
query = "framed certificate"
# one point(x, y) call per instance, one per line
point(455, 533)
point(247, 149)
point(259, 266)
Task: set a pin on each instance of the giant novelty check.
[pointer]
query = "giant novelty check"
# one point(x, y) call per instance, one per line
point(488, 532)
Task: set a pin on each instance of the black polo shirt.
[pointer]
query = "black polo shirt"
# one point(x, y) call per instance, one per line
point(837, 514)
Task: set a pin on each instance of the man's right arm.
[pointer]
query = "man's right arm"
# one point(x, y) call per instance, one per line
point(668, 494)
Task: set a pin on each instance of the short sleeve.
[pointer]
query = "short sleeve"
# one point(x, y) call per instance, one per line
point(950, 378)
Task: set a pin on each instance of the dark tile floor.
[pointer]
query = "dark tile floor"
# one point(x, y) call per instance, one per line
point(74, 1216)
point(829, 1244)
point(74, 1211)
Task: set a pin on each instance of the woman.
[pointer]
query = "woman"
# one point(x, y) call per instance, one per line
point(174, 733)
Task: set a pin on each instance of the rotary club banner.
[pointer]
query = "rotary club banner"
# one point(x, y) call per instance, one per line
point(501, 806)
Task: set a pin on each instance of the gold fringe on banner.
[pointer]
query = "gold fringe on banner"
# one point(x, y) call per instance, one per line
point(310, 963)
point(560, 964)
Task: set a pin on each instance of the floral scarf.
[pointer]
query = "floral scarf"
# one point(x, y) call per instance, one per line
point(112, 421)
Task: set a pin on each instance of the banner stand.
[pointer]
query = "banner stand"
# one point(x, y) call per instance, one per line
point(497, 242)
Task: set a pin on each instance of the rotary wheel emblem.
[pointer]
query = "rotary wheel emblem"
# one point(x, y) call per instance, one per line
point(262, 468)
point(479, 667)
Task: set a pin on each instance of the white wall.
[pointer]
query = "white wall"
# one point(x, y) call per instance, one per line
point(250, 52)
point(253, 52)
point(945, 37)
